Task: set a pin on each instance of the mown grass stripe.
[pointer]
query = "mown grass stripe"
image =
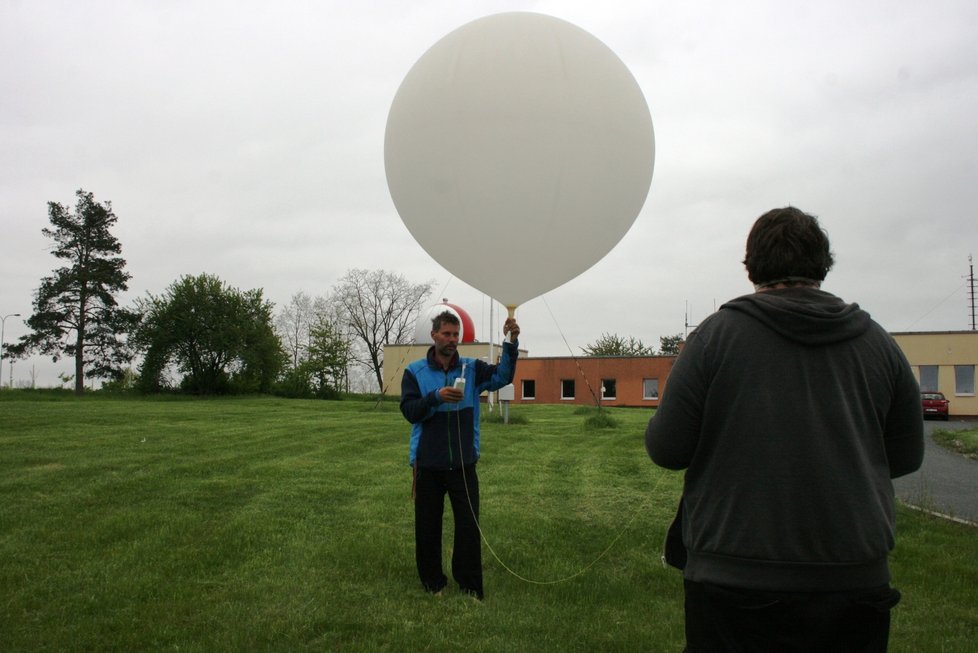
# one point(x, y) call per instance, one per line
point(268, 524)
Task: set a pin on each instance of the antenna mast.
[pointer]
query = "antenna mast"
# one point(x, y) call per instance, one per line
point(686, 321)
point(971, 290)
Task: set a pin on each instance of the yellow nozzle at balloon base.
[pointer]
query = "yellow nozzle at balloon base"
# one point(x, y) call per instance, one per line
point(512, 314)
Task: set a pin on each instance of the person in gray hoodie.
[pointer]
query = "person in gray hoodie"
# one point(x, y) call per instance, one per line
point(791, 411)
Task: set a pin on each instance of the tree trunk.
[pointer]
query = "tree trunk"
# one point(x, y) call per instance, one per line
point(80, 366)
point(80, 346)
point(380, 378)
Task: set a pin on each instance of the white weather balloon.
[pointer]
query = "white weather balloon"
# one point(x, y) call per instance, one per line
point(519, 151)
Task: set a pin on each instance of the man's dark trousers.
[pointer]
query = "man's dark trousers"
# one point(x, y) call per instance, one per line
point(732, 620)
point(462, 487)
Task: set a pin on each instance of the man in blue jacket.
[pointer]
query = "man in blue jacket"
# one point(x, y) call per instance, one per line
point(440, 397)
point(790, 411)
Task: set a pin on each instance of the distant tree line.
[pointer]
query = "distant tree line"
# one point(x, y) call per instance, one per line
point(616, 345)
point(200, 335)
point(204, 337)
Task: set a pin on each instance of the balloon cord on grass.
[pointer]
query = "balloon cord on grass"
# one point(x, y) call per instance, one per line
point(583, 570)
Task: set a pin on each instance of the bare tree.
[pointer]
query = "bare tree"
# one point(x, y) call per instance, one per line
point(292, 325)
point(379, 308)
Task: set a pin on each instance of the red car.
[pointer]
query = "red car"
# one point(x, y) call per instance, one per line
point(934, 405)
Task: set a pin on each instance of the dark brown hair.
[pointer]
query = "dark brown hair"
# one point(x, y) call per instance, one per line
point(441, 318)
point(787, 245)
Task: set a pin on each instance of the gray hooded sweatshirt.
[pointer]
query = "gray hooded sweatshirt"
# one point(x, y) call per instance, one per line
point(790, 411)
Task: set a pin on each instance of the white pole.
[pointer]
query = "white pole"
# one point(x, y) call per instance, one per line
point(3, 325)
point(492, 329)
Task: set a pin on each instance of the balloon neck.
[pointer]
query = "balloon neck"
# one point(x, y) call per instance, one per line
point(512, 313)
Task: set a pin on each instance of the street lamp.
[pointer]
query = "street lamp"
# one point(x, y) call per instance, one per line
point(3, 323)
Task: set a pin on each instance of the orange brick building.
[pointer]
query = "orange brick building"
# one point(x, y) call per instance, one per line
point(614, 380)
point(635, 381)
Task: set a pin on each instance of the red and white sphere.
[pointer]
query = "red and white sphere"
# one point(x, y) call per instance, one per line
point(422, 332)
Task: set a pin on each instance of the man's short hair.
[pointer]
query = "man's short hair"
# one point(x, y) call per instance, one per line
point(442, 318)
point(787, 246)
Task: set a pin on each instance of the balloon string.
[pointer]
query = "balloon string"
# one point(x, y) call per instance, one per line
point(583, 570)
point(445, 287)
point(597, 402)
point(383, 392)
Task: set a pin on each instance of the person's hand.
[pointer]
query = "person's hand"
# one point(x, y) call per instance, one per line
point(450, 395)
point(511, 327)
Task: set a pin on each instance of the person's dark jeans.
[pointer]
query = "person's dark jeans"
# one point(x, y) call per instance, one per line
point(429, 506)
point(723, 619)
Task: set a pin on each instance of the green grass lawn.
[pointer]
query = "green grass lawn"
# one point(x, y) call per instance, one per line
point(284, 525)
point(964, 442)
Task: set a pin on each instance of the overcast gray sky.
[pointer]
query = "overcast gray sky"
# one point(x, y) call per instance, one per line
point(245, 139)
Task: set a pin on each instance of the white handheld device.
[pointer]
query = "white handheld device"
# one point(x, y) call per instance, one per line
point(460, 381)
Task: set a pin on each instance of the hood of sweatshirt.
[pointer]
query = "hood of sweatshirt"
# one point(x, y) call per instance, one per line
point(806, 315)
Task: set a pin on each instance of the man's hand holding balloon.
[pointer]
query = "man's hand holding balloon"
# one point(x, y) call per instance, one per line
point(512, 329)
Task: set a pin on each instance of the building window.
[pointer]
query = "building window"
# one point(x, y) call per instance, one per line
point(567, 389)
point(529, 389)
point(928, 378)
point(609, 389)
point(964, 380)
point(650, 388)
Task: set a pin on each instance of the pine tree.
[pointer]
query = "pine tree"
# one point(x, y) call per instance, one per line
point(75, 309)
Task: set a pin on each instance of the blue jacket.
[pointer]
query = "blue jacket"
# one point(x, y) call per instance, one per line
point(446, 435)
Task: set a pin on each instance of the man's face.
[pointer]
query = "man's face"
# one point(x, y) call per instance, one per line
point(446, 339)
